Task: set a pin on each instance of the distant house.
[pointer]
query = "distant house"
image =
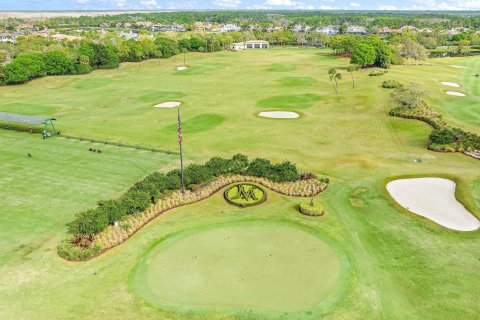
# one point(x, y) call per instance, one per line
point(201, 26)
point(387, 30)
point(169, 28)
point(59, 37)
point(129, 35)
point(274, 29)
point(356, 30)
point(229, 28)
point(9, 37)
point(237, 46)
point(257, 44)
point(300, 29)
point(328, 30)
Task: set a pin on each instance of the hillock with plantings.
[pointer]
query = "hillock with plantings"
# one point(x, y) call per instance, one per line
point(96, 230)
point(444, 138)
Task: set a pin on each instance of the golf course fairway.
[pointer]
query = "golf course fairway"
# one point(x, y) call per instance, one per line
point(256, 266)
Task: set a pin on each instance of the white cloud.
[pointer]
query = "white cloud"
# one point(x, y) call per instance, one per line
point(283, 3)
point(322, 7)
point(149, 3)
point(447, 5)
point(355, 4)
point(227, 3)
point(386, 7)
point(82, 2)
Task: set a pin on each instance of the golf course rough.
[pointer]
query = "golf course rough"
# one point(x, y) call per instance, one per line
point(263, 267)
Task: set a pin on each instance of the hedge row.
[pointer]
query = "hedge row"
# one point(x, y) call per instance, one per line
point(147, 191)
point(443, 137)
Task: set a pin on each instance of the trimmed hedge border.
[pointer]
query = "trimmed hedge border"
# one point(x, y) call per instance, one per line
point(113, 236)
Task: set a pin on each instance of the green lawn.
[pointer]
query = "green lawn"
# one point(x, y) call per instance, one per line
point(396, 265)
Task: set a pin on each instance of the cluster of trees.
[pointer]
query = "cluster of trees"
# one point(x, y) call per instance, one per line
point(393, 19)
point(35, 57)
point(83, 59)
point(149, 190)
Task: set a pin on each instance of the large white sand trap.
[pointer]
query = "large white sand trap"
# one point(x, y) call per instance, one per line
point(459, 67)
point(451, 84)
point(169, 104)
point(181, 68)
point(455, 93)
point(433, 198)
point(279, 114)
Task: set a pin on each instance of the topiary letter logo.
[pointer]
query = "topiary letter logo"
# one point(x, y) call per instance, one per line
point(245, 194)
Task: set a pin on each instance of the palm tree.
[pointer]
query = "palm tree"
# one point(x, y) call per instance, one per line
point(352, 69)
point(334, 78)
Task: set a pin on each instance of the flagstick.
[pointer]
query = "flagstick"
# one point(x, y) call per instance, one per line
point(181, 153)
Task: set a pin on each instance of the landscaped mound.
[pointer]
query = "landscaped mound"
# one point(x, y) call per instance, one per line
point(433, 198)
point(113, 221)
point(169, 104)
point(279, 114)
point(311, 208)
point(245, 195)
point(257, 266)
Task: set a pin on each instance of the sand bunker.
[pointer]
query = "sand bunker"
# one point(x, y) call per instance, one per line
point(451, 84)
point(460, 67)
point(454, 93)
point(181, 68)
point(279, 114)
point(433, 198)
point(169, 104)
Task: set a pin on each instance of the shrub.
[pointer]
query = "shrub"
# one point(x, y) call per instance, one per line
point(88, 222)
point(259, 168)
point(70, 251)
point(307, 175)
point(308, 209)
point(196, 173)
point(407, 95)
point(285, 171)
point(442, 136)
point(377, 73)
point(391, 84)
point(113, 209)
point(239, 163)
point(218, 166)
point(135, 201)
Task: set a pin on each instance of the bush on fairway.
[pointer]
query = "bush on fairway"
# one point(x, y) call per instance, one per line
point(391, 84)
point(308, 209)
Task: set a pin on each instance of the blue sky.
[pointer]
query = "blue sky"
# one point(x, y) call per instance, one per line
point(239, 4)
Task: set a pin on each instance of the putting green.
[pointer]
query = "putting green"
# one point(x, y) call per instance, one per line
point(250, 266)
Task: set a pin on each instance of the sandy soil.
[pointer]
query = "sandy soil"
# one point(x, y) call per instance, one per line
point(433, 198)
point(169, 104)
point(279, 114)
point(454, 93)
point(451, 84)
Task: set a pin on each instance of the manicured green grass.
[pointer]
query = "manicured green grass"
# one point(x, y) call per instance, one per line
point(396, 265)
point(262, 266)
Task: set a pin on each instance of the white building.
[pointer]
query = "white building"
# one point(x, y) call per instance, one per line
point(356, 30)
point(8, 37)
point(328, 30)
point(257, 44)
point(229, 28)
point(129, 35)
point(237, 46)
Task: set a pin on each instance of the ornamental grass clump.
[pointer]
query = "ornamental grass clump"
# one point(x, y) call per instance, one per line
point(312, 208)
